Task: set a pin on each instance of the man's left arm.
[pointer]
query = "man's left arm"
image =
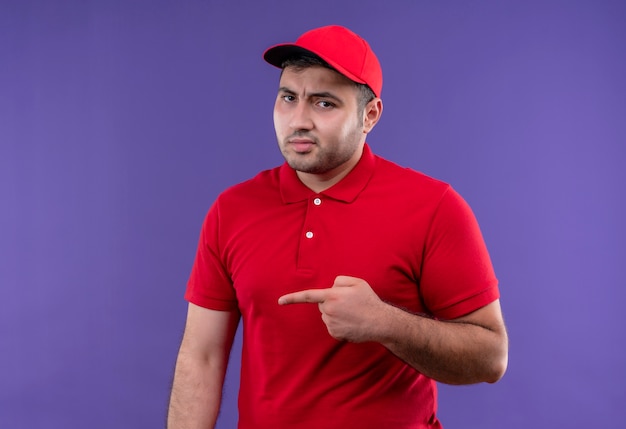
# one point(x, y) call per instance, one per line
point(469, 349)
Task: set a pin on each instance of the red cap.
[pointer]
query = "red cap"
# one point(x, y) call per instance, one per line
point(342, 49)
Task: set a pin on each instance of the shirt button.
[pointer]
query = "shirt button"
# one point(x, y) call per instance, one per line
point(309, 234)
point(317, 201)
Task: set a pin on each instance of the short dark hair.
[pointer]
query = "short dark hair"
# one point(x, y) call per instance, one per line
point(303, 61)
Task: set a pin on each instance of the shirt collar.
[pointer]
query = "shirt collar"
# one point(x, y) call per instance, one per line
point(347, 189)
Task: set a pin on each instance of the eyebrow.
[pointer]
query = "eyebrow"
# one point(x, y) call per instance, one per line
point(323, 94)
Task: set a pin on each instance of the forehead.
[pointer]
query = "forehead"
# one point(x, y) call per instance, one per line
point(315, 78)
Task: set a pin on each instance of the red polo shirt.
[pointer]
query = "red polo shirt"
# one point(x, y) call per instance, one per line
point(411, 237)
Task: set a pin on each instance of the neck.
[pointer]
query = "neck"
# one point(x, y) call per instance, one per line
point(322, 181)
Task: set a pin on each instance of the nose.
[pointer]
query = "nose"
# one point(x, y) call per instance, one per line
point(301, 117)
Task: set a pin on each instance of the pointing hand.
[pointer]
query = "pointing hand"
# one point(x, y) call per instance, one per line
point(350, 308)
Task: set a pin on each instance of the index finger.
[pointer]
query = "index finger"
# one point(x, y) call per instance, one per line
point(304, 296)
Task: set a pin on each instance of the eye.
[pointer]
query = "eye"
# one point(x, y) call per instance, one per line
point(325, 104)
point(288, 98)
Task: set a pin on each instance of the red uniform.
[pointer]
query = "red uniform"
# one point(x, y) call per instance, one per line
point(411, 237)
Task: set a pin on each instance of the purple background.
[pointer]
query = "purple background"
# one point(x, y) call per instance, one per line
point(121, 121)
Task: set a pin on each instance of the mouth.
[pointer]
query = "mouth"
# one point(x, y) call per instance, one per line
point(300, 145)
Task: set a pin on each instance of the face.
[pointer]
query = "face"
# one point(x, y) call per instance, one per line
point(316, 122)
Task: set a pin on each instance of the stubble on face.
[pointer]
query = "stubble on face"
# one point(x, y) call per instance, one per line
point(335, 138)
point(323, 157)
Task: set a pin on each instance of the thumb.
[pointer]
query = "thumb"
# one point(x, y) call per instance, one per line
point(345, 281)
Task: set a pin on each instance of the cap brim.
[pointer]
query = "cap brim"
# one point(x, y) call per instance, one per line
point(276, 56)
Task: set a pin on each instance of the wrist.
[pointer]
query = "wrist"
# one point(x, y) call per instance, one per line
point(384, 324)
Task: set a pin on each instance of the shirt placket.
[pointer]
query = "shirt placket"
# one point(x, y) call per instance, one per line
point(310, 236)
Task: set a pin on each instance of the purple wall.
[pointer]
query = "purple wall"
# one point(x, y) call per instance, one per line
point(121, 121)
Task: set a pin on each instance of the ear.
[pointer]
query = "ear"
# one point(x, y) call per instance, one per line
point(371, 114)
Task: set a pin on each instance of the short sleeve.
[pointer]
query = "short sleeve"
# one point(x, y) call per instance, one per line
point(209, 284)
point(457, 274)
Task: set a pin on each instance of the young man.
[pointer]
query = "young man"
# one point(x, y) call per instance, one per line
point(359, 283)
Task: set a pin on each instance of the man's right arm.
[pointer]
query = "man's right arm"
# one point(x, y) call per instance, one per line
point(201, 368)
